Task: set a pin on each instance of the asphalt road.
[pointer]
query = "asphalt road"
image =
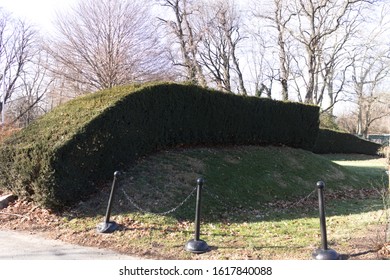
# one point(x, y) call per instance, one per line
point(25, 246)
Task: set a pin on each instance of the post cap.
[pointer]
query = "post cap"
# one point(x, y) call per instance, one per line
point(200, 181)
point(117, 173)
point(320, 184)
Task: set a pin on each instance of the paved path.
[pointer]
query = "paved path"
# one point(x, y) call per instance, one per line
point(24, 246)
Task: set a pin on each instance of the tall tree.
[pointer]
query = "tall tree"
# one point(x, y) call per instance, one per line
point(220, 32)
point(17, 40)
point(369, 71)
point(261, 65)
point(32, 93)
point(182, 28)
point(101, 44)
point(315, 22)
point(279, 19)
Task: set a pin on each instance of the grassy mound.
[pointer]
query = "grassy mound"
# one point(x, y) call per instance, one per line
point(63, 156)
point(241, 179)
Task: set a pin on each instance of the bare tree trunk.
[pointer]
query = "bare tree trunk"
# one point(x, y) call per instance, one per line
point(237, 67)
point(316, 22)
point(283, 60)
point(17, 41)
point(183, 30)
point(220, 27)
point(279, 21)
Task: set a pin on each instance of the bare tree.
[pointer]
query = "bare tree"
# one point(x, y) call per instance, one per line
point(261, 65)
point(369, 73)
point(279, 20)
point(370, 69)
point(220, 32)
point(346, 121)
point(17, 41)
point(101, 44)
point(185, 36)
point(258, 69)
point(32, 93)
point(372, 114)
point(313, 24)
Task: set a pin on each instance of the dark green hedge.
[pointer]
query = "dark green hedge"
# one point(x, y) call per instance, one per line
point(62, 157)
point(333, 142)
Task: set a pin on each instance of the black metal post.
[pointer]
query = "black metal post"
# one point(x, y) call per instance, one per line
point(324, 238)
point(109, 226)
point(197, 245)
point(197, 210)
point(324, 253)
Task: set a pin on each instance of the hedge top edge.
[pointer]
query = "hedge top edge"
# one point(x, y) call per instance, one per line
point(59, 158)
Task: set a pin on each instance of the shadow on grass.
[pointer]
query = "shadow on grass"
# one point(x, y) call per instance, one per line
point(213, 212)
point(220, 209)
point(240, 192)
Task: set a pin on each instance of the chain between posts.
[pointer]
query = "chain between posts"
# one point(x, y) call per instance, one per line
point(214, 196)
point(158, 213)
point(302, 199)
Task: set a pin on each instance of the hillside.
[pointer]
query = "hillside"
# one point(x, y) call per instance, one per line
point(256, 205)
point(238, 179)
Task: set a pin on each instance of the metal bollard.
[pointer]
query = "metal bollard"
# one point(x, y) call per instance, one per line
point(109, 226)
point(197, 245)
point(324, 253)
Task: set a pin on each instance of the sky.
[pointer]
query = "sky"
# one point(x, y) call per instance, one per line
point(43, 12)
point(37, 12)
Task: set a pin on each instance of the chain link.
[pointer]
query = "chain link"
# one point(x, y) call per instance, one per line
point(212, 195)
point(302, 199)
point(158, 213)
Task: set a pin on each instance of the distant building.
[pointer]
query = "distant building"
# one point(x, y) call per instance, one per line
point(382, 139)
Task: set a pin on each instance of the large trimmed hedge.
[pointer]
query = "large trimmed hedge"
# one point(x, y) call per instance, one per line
point(60, 158)
point(332, 142)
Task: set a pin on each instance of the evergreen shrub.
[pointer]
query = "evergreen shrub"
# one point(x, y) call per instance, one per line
point(333, 142)
point(62, 157)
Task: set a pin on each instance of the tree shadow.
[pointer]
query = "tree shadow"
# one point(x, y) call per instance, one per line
point(216, 211)
point(216, 208)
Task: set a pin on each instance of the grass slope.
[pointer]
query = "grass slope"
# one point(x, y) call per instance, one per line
point(239, 180)
point(249, 205)
point(238, 224)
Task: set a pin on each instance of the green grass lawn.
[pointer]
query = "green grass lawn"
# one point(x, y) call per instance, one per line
point(258, 203)
point(369, 166)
